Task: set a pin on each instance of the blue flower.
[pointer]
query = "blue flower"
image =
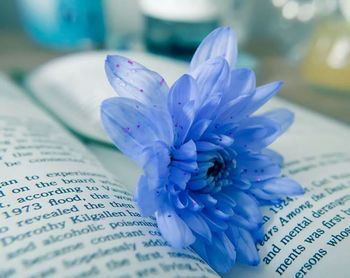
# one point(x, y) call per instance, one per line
point(203, 151)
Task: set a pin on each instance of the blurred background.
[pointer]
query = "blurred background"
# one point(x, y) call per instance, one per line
point(304, 42)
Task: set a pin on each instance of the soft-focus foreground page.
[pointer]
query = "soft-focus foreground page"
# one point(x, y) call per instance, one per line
point(309, 236)
point(61, 215)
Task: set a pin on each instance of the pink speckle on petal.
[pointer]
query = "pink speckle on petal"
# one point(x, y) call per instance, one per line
point(161, 81)
point(130, 62)
point(117, 65)
point(141, 90)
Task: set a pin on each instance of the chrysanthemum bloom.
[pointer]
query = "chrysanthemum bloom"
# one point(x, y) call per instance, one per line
point(206, 166)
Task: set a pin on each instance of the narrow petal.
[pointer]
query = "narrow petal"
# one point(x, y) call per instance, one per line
point(246, 205)
point(188, 166)
point(130, 129)
point(262, 95)
point(243, 81)
point(198, 128)
point(186, 152)
point(245, 245)
point(179, 177)
point(211, 77)
point(281, 116)
point(255, 167)
point(197, 224)
point(173, 228)
point(147, 200)
point(133, 80)
point(222, 42)
point(280, 187)
point(256, 133)
point(182, 122)
point(200, 247)
point(218, 255)
point(180, 93)
point(156, 166)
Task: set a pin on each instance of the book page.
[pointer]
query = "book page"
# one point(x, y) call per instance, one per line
point(309, 236)
point(62, 215)
point(316, 152)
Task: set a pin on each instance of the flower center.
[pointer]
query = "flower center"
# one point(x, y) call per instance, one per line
point(215, 169)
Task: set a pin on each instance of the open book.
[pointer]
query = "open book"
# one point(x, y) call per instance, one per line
point(65, 203)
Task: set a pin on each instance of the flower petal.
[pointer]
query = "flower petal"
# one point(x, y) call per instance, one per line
point(186, 152)
point(197, 224)
point(245, 245)
point(242, 82)
point(198, 128)
point(221, 42)
point(179, 177)
point(182, 122)
point(173, 228)
point(147, 200)
point(180, 93)
point(280, 187)
point(212, 77)
point(156, 166)
point(221, 254)
point(133, 80)
point(256, 167)
point(281, 116)
point(129, 126)
point(262, 95)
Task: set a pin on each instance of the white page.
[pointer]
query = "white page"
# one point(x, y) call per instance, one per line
point(62, 215)
point(317, 154)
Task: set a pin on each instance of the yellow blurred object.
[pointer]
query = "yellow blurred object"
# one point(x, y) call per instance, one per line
point(327, 62)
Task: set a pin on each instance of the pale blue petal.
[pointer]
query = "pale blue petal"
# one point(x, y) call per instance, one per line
point(280, 187)
point(246, 206)
point(214, 223)
point(179, 177)
point(198, 128)
point(231, 112)
point(180, 93)
point(156, 166)
point(281, 116)
point(218, 255)
point(204, 146)
point(173, 228)
point(132, 80)
point(219, 139)
point(262, 95)
point(256, 167)
point(199, 246)
point(221, 42)
point(243, 82)
point(197, 224)
point(245, 245)
point(211, 77)
point(256, 133)
point(182, 122)
point(210, 106)
point(147, 200)
point(186, 152)
point(130, 129)
point(189, 166)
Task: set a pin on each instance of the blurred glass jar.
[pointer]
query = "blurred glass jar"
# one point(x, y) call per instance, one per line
point(279, 26)
point(327, 63)
point(64, 24)
point(176, 27)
